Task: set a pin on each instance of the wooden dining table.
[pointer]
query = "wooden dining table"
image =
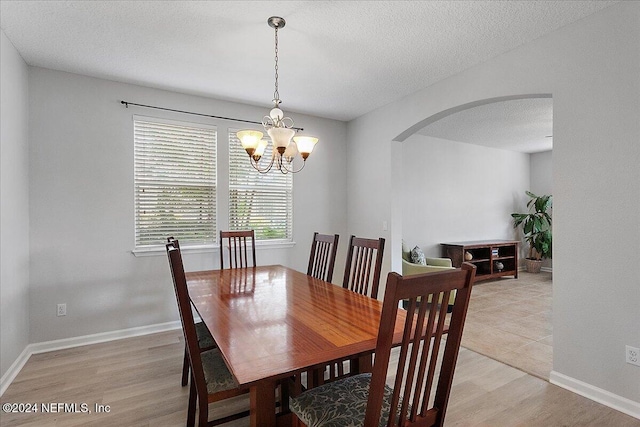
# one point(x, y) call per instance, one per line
point(273, 322)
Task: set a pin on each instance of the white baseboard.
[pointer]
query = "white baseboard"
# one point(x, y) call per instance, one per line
point(14, 369)
point(599, 395)
point(43, 347)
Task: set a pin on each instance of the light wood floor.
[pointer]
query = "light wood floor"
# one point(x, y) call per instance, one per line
point(510, 320)
point(139, 378)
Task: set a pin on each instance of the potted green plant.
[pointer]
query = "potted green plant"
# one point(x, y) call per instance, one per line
point(536, 225)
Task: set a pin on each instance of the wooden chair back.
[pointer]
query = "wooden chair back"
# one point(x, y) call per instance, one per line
point(186, 317)
point(323, 256)
point(234, 243)
point(364, 256)
point(205, 342)
point(421, 362)
point(198, 391)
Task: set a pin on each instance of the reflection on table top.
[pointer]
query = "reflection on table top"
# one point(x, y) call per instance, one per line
point(270, 321)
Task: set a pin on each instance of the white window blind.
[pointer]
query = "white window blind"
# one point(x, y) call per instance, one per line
point(175, 182)
point(262, 202)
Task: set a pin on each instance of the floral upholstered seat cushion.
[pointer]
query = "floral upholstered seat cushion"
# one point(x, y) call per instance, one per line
point(205, 340)
point(216, 373)
point(341, 403)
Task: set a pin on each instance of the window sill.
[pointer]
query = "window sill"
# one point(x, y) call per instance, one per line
point(201, 249)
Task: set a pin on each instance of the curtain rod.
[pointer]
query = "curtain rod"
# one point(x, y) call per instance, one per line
point(127, 103)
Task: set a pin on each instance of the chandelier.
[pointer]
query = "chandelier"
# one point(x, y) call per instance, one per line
point(280, 129)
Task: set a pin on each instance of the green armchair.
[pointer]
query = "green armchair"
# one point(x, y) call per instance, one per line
point(433, 265)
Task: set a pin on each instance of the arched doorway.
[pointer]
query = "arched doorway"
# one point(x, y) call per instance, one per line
point(451, 189)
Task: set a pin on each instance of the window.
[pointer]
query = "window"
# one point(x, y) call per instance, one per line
point(263, 202)
point(175, 182)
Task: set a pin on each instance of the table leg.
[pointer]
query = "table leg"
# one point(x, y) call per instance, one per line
point(364, 364)
point(263, 404)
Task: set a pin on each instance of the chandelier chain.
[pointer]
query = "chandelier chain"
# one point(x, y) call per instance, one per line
point(276, 94)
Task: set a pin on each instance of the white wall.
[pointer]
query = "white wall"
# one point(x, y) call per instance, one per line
point(542, 173)
point(542, 182)
point(14, 209)
point(591, 68)
point(81, 195)
point(455, 191)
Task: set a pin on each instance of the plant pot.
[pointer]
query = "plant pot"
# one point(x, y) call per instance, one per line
point(533, 265)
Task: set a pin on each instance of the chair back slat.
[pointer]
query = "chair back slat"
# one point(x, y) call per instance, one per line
point(436, 348)
point(186, 315)
point(323, 256)
point(364, 258)
point(236, 249)
point(427, 354)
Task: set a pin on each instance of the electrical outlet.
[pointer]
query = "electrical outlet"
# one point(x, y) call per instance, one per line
point(632, 355)
point(62, 309)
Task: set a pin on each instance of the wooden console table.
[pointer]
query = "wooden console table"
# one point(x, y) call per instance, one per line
point(486, 255)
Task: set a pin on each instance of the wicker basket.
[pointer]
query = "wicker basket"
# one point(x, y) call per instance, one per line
point(533, 265)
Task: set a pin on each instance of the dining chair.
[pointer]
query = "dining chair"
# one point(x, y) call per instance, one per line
point(323, 256)
point(205, 339)
point(236, 247)
point(363, 256)
point(360, 261)
point(211, 380)
point(425, 360)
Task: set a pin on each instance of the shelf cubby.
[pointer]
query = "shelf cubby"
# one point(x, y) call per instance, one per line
point(484, 255)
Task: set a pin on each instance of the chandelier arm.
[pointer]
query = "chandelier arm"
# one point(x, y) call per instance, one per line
point(280, 164)
point(267, 122)
point(292, 170)
point(287, 122)
point(256, 166)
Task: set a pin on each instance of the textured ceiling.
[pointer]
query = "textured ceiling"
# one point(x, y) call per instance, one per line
point(524, 125)
point(337, 59)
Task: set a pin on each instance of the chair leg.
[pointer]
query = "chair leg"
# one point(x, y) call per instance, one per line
point(185, 368)
point(203, 410)
point(191, 408)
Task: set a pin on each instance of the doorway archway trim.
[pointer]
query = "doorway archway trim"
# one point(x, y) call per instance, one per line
point(444, 113)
